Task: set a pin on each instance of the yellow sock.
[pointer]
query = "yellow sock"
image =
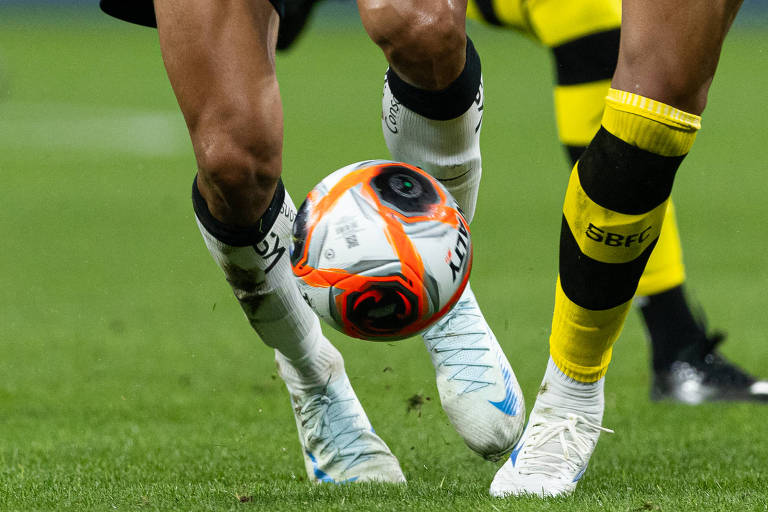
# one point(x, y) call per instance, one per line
point(612, 216)
point(665, 269)
point(584, 39)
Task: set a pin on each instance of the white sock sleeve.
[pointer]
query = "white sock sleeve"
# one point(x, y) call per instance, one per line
point(262, 280)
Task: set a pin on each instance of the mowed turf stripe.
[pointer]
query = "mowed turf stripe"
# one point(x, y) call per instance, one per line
point(78, 127)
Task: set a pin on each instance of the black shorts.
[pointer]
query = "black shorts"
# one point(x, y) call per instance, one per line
point(142, 12)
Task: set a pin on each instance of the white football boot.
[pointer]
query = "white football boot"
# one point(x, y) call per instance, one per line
point(554, 451)
point(337, 440)
point(478, 389)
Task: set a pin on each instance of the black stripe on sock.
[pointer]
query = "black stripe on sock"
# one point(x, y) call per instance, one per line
point(625, 178)
point(587, 59)
point(574, 153)
point(234, 235)
point(592, 284)
point(486, 11)
point(443, 105)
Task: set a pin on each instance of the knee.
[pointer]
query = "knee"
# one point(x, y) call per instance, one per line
point(420, 28)
point(425, 40)
point(239, 160)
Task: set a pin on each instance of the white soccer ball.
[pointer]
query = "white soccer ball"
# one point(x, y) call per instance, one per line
point(381, 250)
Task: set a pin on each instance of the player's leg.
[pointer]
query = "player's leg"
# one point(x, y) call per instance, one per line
point(220, 60)
point(584, 38)
point(614, 208)
point(432, 114)
point(685, 363)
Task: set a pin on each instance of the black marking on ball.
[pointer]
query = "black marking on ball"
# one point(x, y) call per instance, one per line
point(382, 309)
point(405, 190)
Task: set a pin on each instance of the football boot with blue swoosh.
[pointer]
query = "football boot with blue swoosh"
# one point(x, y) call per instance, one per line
point(337, 440)
point(553, 453)
point(478, 389)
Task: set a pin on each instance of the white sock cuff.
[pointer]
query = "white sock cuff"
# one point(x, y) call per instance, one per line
point(555, 373)
point(321, 364)
point(560, 391)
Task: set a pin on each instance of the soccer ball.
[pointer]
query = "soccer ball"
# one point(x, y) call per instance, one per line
point(381, 250)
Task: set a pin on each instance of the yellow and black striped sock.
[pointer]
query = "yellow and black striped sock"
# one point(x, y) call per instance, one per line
point(508, 13)
point(612, 217)
point(584, 68)
point(665, 269)
point(584, 39)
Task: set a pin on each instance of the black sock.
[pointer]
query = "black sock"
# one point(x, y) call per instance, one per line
point(674, 330)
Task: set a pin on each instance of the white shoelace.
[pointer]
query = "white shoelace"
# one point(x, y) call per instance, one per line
point(569, 446)
point(454, 340)
point(331, 426)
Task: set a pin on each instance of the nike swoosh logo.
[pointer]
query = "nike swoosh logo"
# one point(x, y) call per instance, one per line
point(509, 405)
point(322, 475)
point(515, 452)
point(580, 473)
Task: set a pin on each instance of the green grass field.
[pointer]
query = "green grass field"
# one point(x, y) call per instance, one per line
point(129, 379)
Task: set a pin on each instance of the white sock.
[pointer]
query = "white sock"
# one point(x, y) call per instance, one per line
point(424, 128)
point(262, 280)
point(562, 392)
